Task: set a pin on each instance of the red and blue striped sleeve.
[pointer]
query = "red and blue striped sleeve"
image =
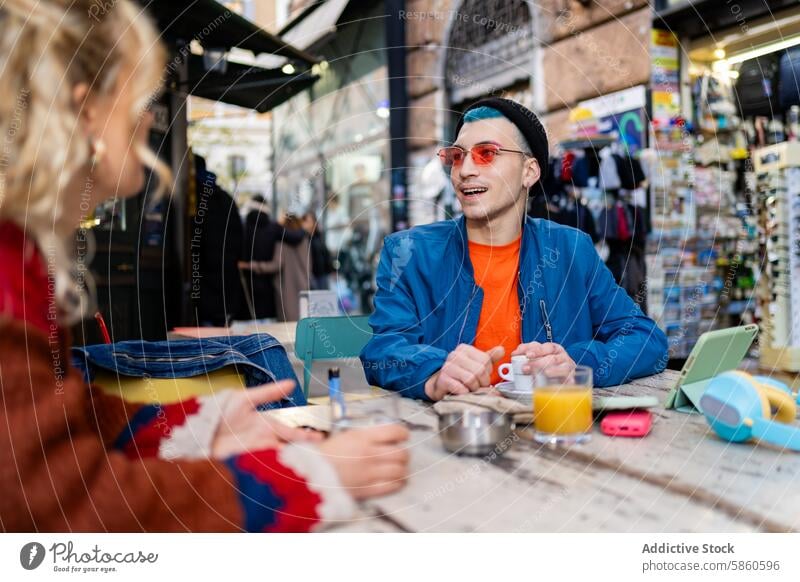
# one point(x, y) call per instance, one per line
point(181, 430)
point(291, 489)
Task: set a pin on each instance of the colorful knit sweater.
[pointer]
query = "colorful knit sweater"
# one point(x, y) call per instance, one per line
point(73, 458)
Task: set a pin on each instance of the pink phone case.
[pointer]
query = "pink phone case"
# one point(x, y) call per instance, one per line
point(633, 423)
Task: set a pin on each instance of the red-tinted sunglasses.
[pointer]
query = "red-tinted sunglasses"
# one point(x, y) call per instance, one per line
point(482, 154)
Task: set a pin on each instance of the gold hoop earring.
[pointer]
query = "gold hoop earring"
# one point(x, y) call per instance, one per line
point(98, 148)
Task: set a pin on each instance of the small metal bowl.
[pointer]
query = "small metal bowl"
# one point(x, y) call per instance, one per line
point(474, 432)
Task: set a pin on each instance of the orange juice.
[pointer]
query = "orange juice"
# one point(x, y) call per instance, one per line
point(562, 410)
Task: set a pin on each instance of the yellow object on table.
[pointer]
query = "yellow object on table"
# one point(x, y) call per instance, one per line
point(562, 410)
point(167, 390)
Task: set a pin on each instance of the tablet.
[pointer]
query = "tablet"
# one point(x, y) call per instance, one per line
point(715, 352)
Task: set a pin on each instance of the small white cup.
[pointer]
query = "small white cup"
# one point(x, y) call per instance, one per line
point(513, 373)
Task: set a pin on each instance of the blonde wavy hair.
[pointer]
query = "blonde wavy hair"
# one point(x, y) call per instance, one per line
point(47, 47)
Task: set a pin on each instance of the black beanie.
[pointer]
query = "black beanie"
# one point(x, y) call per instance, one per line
point(527, 122)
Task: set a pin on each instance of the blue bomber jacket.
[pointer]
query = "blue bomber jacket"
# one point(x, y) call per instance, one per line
point(427, 303)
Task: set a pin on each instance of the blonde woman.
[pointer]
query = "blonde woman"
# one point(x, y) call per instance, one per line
point(76, 77)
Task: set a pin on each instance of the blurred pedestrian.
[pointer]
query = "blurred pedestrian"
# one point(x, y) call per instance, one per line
point(336, 225)
point(321, 261)
point(261, 237)
point(356, 269)
point(216, 249)
point(290, 271)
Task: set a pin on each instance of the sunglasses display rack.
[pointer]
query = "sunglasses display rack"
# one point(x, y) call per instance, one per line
point(778, 185)
point(703, 252)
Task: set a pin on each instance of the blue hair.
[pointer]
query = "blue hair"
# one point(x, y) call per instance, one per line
point(484, 112)
point(480, 113)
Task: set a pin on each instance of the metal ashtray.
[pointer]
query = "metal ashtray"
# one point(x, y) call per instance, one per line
point(472, 432)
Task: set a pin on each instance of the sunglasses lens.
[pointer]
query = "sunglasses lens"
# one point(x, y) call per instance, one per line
point(483, 155)
point(451, 156)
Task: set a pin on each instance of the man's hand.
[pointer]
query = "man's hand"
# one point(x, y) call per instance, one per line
point(545, 356)
point(243, 428)
point(467, 369)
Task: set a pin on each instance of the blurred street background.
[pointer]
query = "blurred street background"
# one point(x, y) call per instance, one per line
point(302, 132)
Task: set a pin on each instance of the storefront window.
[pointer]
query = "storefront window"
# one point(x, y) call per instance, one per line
point(331, 152)
point(488, 53)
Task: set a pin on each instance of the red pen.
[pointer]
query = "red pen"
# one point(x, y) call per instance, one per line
point(101, 323)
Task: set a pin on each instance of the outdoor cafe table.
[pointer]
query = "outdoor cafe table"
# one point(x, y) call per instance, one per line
point(681, 477)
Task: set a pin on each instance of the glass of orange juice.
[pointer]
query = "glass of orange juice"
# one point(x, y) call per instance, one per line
point(562, 406)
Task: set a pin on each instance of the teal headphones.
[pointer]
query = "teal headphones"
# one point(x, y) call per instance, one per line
point(740, 407)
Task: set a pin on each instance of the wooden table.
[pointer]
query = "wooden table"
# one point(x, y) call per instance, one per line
point(679, 478)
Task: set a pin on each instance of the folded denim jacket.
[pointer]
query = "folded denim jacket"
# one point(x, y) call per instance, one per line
point(259, 358)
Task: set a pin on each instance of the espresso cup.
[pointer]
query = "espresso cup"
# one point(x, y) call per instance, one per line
point(512, 372)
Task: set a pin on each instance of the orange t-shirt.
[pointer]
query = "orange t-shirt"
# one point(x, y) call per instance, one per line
point(496, 272)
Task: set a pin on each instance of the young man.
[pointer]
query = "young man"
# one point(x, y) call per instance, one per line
point(457, 298)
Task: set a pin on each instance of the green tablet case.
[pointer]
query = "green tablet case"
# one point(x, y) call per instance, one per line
point(715, 352)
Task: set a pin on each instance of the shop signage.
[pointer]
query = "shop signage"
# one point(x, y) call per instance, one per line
point(664, 77)
point(614, 103)
point(620, 113)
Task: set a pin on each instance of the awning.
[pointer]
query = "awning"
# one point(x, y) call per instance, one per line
point(763, 34)
point(215, 26)
point(245, 86)
point(696, 18)
point(314, 25)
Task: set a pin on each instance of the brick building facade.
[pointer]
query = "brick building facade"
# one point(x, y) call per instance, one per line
point(550, 55)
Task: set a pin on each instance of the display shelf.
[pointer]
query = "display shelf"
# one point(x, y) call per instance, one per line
point(778, 187)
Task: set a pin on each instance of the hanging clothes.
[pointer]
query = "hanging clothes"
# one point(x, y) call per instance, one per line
point(609, 175)
point(639, 175)
point(623, 228)
point(630, 171)
point(639, 197)
point(623, 224)
point(576, 214)
point(580, 171)
point(607, 223)
point(550, 185)
point(567, 162)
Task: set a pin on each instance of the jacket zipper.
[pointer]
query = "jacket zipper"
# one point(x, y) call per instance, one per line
point(547, 327)
point(466, 314)
point(522, 294)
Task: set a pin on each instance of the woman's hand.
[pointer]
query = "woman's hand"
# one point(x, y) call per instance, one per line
point(243, 428)
point(369, 461)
